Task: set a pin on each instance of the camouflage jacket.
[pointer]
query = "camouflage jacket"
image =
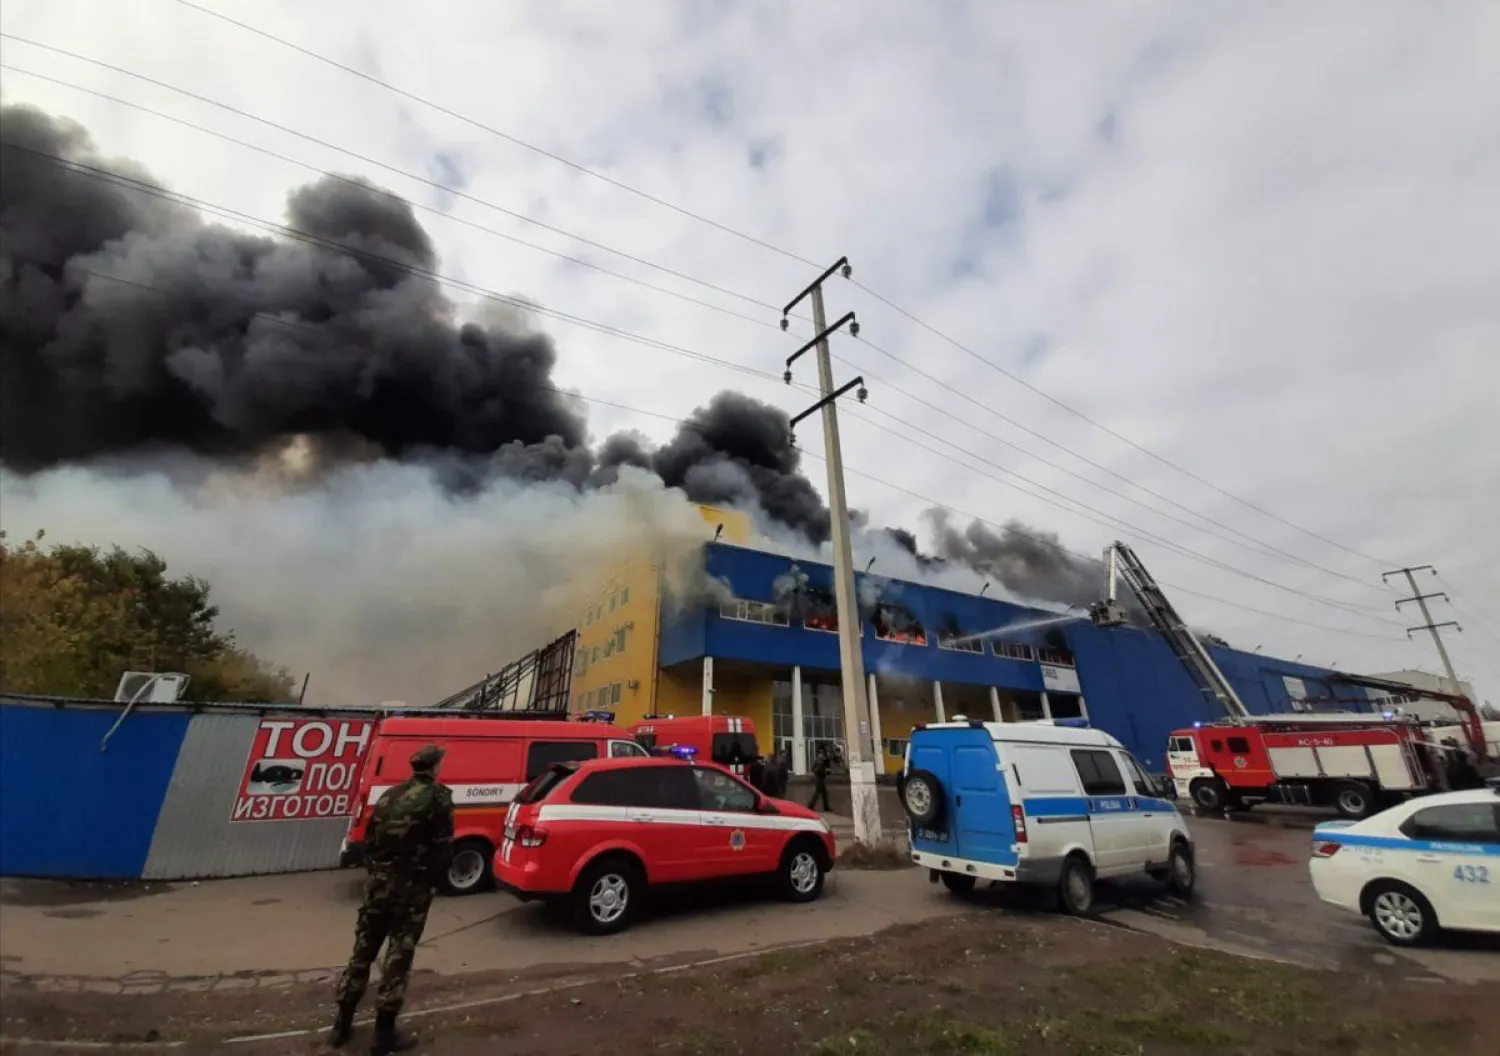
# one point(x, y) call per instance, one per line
point(411, 830)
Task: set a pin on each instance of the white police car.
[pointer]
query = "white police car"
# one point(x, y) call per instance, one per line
point(1046, 803)
point(1427, 864)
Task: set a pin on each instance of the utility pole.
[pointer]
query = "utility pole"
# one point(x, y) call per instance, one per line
point(1427, 624)
point(857, 722)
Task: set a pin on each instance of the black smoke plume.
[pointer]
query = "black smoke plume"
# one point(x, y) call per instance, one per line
point(130, 325)
point(1027, 561)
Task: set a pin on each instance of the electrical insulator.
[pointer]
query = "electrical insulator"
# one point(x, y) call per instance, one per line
point(785, 323)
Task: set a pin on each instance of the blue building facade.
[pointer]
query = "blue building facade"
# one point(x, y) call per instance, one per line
point(771, 652)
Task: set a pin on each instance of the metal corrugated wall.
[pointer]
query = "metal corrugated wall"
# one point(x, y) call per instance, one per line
point(194, 836)
point(68, 809)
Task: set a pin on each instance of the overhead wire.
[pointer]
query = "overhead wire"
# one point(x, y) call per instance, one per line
point(1255, 546)
point(689, 423)
point(781, 251)
point(290, 232)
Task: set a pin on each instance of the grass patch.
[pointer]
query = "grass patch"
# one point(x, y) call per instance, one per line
point(932, 1034)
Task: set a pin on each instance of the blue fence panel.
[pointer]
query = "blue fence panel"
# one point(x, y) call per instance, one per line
point(67, 809)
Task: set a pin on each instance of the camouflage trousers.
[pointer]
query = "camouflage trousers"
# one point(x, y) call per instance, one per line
point(394, 913)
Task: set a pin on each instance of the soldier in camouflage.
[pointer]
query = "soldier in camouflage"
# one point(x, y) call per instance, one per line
point(408, 845)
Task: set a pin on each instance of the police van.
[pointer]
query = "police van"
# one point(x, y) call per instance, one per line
point(1050, 803)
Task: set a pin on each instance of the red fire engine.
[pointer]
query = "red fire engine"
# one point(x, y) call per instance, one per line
point(1353, 762)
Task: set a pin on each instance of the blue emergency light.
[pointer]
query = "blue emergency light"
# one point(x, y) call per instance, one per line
point(683, 751)
point(598, 716)
point(1077, 723)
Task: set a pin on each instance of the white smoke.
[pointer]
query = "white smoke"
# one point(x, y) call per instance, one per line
point(374, 579)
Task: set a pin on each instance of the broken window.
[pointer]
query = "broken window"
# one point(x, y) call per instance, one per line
point(897, 623)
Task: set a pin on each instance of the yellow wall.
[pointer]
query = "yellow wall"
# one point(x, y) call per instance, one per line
point(628, 604)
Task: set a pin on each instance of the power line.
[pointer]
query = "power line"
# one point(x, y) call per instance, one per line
point(1252, 544)
point(1117, 523)
point(621, 185)
point(1052, 544)
point(1258, 547)
point(413, 269)
point(689, 423)
point(347, 181)
point(496, 132)
point(1101, 426)
point(290, 232)
point(455, 191)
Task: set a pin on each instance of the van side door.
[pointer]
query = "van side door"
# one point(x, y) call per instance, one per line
point(985, 830)
point(1057, 813)
point(1115, 827)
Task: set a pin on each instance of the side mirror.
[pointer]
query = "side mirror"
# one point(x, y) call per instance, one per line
point(765, 806)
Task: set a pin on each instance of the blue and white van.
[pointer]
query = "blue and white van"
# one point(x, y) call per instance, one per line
point(1048, 803)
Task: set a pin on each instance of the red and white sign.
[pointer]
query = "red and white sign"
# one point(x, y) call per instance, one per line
point(302, 769)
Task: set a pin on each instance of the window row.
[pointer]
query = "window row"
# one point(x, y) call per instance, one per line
point(602, 697)
point(598, 610)
point(892, 623)
point(592, 654)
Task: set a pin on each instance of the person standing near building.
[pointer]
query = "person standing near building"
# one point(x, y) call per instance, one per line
point(410, 845)
point(821, 765)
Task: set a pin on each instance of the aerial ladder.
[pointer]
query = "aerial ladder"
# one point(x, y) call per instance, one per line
point(1123, 564)
point(1200, 665)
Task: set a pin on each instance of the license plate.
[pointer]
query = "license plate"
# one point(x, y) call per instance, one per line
point(932, 836)
point(510, 832)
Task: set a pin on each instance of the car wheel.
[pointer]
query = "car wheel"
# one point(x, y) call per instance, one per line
point(471, 870)
point(1210, 796)
point(1400, 914)
point(607, 896)
point(922, 797)
point(1353, 800)
point(1075, 887)
point(959, 883)
point(802, 872)
point(1182, 872)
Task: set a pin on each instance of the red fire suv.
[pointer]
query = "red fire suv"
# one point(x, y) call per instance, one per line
point(595, 834)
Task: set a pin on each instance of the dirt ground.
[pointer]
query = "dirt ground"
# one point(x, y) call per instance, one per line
point(970, 985)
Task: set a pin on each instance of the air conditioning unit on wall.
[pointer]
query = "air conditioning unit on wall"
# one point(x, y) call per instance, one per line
point(164, 687)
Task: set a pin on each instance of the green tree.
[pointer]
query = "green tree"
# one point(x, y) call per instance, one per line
point(74, 618)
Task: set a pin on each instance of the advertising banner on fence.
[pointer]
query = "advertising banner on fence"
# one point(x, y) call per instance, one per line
point(302, 769)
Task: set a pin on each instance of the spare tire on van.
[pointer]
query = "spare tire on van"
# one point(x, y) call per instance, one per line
point(922, 797)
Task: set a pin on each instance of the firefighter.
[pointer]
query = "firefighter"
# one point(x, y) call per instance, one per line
point(409, 846)
point(821, 765)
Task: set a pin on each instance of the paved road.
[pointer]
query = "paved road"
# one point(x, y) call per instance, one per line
point(1254, 897)
point(195, 935)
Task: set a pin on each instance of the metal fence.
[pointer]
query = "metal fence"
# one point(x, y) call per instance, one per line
point(178, 791)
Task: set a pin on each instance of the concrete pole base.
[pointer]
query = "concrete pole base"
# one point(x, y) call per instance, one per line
point(864, 804)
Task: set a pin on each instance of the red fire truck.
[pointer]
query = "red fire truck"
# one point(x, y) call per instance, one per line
point(1353, 763)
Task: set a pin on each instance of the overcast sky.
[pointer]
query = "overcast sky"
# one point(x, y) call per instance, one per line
point(1261, 241)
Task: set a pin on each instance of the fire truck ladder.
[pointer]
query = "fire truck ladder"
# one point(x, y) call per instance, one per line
point(1180, 638)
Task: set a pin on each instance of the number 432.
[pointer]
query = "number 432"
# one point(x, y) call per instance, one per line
point(1471, 874)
